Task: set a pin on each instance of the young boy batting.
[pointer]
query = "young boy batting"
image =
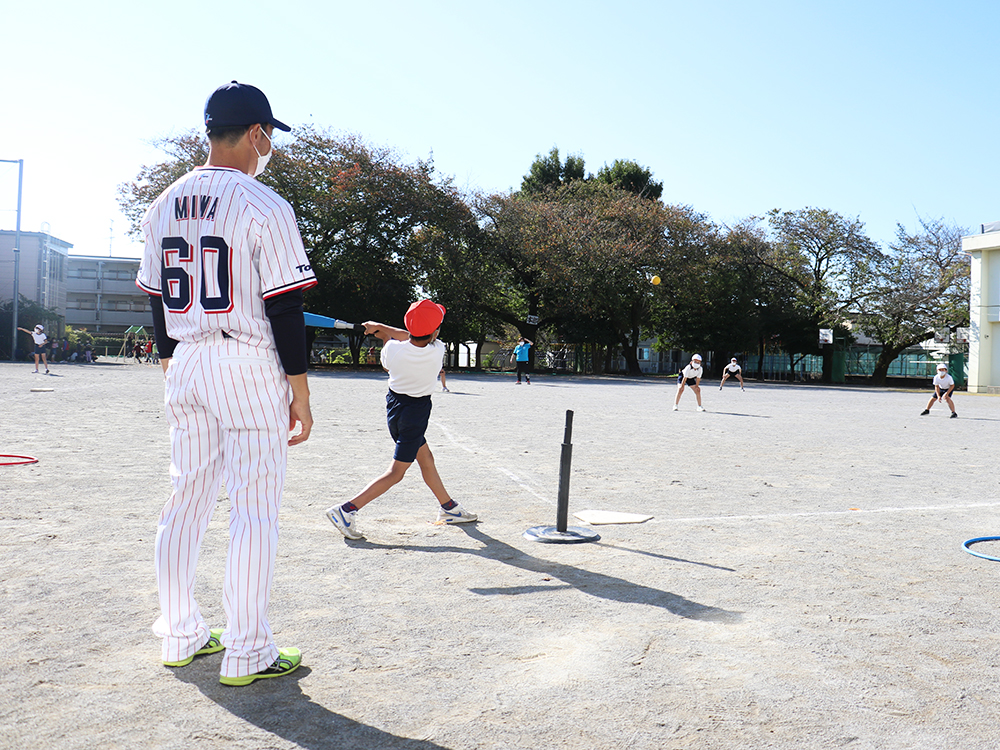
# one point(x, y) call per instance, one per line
point(413, 359)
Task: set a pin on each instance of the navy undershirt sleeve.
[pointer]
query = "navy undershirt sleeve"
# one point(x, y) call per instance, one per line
point(289, 328)
point(164, 344)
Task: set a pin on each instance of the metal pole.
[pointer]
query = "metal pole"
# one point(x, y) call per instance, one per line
point(561, 533)
point(565, 460)
point(17, 254)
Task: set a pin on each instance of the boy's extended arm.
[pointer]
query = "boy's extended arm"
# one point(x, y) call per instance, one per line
point(384, 332)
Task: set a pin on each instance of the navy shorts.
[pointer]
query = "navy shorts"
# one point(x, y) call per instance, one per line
point(39, 350)
point(407, 417)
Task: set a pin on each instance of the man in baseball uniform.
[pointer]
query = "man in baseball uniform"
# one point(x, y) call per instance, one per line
point(224, 267)
point(39, 337)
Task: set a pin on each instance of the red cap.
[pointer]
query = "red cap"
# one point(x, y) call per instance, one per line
point(423, 318)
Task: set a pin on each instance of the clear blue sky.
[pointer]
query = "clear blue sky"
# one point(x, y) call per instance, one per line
point(877, 110)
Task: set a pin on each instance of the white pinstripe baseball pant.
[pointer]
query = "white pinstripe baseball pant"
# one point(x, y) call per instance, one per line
point(227, 405)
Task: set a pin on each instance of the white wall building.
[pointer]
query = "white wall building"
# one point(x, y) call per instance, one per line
point(93, 292)
point(984, 309)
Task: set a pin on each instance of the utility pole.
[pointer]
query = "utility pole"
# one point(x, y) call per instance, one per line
point(17, 251)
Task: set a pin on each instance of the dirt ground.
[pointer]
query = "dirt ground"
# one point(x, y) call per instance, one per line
point(802, 583)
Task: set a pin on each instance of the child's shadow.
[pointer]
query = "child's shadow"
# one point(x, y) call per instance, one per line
point(589, 582)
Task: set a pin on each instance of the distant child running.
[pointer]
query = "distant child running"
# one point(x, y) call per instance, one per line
point(413, 359)
point(690, 375)
point(40, 338)
point(944, 384)
point(734, 369)
point(521, 354)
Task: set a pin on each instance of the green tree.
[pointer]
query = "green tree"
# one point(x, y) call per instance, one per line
point(693, 307)
point(630, 176)
point(576, 258)
point(549, 172)
point(185, 151)
point(920, 284)
point(827, 258)
point(454, 271)
point(765, 307)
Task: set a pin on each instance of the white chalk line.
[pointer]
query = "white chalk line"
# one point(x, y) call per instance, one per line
point(466, 445)
point(818, 513)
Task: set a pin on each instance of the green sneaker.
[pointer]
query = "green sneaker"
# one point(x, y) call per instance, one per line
point(287, 662)
point(214, 645)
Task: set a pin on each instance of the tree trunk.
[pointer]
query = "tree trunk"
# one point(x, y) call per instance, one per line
point(631, 356)
point(885, 358)
point(828, 363)
point(354, 342)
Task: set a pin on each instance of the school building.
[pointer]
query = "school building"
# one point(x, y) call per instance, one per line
point(85, 291)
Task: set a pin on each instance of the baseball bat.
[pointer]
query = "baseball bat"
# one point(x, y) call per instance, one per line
point(343, 325)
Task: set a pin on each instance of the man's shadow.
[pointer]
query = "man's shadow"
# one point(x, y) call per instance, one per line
point(279, 706)
point(588, 582)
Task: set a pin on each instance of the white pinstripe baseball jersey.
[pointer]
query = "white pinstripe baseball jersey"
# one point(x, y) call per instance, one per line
point(219, 243)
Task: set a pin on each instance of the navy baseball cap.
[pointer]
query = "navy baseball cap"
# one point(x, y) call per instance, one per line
point(237, 104)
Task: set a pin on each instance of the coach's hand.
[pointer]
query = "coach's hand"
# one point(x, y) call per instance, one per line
point(299, 409)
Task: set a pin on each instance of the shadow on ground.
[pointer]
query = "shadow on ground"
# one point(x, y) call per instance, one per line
point(588, 582)
point(280, 707)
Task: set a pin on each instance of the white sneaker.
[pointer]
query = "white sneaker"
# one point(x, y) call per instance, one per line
point(344, 522)
point(458, 514)
point(701, 408)
point(675, 407)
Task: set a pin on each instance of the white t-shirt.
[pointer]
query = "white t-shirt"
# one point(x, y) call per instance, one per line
point(945, 381)
point(733, 368)
point(413, 370)
point(39, 338)
point(692, 372)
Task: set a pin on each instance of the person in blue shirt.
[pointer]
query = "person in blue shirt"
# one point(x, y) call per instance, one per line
point(521, 354)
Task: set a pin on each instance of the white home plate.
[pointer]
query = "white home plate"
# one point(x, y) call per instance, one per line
point(597, 517)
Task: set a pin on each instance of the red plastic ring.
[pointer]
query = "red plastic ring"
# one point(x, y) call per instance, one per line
point(20, 460)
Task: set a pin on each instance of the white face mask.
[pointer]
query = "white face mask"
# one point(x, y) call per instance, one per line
point(263, 160)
